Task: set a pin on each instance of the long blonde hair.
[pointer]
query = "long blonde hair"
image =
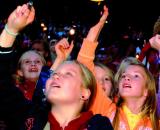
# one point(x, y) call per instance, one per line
point(149, 108)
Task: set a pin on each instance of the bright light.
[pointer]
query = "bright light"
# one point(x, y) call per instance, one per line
point(42, 25)
point(72, 31)
point(137, 56)
point(97, 0)
point(49, 36)
point(45, 29)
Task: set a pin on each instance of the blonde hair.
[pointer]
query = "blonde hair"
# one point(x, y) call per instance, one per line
point(156, 27)
point(111, 76)
point(18, 78)
point(149, 108)
point(88, 81)
point(30, 51)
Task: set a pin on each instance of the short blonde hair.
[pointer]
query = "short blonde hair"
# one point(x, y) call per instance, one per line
point(27, 52)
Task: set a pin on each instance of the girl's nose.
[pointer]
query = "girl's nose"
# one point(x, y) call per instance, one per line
point(127, 77)
point(33, 63)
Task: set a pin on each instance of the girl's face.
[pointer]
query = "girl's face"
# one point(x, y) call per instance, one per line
point(31, 66)
point(65, 85)
point(132, 82)
point(102, 77)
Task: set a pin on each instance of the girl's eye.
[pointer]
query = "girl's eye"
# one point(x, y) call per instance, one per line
point(53, 74)
point(37, 62)
point(136, 76)
point(69, 73)
point(106, 79)
point(27, 62)
point(123, 76)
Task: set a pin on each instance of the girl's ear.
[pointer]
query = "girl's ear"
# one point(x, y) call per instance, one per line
point(20, 73)
point(85, 94)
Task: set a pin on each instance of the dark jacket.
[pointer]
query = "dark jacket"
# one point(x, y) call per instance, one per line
point(16, 112)
point(99, 122)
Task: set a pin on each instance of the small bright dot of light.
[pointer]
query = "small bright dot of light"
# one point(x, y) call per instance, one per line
point(72, 31)
point(42, 25)
point(137, 56)
point(45, 29)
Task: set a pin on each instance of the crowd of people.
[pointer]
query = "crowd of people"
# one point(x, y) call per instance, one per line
point(46, 93)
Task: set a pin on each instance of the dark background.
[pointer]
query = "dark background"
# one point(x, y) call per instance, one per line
point(140, 14)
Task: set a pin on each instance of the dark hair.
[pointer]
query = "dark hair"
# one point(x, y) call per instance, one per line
point(43, 42)
point(45, 46)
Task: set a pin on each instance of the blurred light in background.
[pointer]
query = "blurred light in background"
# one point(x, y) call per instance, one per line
point(72, 31)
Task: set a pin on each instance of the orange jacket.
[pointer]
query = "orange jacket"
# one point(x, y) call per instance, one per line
point(86, 57)
point(102, 104)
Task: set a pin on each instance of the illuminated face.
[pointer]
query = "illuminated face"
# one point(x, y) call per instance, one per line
point(31, 65)
point(132, 83)
point(102, 77)
point(64, 86)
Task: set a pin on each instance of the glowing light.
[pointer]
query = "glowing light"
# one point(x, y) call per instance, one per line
point(72, 31)
point(96, 0)
point(137, 56)
point(42, 25)
point(49, 36)
point(45, 29)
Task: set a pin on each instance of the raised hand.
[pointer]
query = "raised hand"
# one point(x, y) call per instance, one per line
point(20, 17)
point(63, 48)
point(155, 42)
point(94, 31)
point(17, 20)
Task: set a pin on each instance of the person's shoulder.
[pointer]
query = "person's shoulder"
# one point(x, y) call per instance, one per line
point(99, 122)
